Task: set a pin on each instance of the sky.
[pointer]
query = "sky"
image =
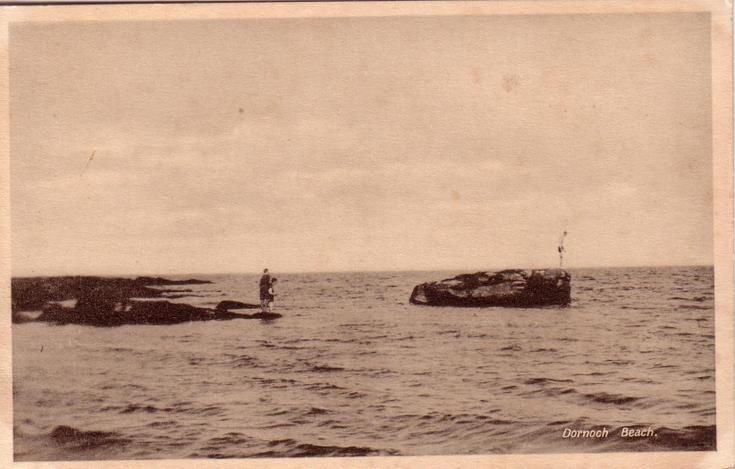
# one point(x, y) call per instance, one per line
point(347, 144)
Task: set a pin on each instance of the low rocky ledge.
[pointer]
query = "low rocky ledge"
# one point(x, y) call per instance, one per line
point(117, 313)
point(509, 288)
point(227, 305)
point(32, 293)
point(108, 302)
point(129, 312)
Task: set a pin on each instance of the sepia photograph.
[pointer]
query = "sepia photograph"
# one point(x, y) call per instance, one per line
point(367, 230)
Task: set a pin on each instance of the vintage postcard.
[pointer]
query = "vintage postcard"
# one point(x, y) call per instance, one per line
point(383, 234)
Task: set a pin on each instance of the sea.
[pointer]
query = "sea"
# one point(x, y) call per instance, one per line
point(353, 369)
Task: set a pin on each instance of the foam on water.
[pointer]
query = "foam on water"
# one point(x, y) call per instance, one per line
point(352, 369)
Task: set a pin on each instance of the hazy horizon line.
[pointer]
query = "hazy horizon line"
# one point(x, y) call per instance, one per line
point(299, 272)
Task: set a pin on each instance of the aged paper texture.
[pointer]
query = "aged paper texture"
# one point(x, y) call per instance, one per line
point(379, 234)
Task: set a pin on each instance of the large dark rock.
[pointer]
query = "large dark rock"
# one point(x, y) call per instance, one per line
point(516, 288)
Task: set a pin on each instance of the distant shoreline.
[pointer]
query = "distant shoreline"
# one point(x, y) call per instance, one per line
point(195, 275)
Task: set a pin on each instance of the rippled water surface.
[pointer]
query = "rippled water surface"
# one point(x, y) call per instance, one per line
point(353, 369)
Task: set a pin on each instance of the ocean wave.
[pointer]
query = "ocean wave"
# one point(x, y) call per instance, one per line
point(317, 411)
point(594, 373)
point(619, 362)
point(333, 424)
point(694, 307)
point(277, 383)
point(71, 437)
point(547, 380)
point(374, 371)
point(162, 424)
point(178, 408)
point(323, 387)
point(304, 450)
point(230, 438)
point(136, 408)
point(511, 348)
point(696, 298)
point(244, 361)
point(607, 398)
point(551, 392)
point(662, 365)
point(325, 368)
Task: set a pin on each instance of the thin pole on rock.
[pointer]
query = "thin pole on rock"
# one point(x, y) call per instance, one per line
point(561, 249)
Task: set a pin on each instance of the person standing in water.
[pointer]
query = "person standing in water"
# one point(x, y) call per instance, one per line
point(271, 294)
point(265, 286)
